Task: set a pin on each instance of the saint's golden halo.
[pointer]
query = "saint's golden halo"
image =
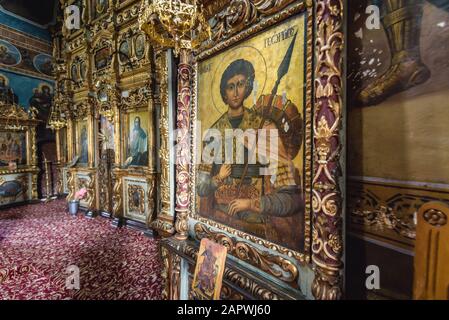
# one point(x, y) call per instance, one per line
point(5, 78)
point(252, 55)
point(44, 84)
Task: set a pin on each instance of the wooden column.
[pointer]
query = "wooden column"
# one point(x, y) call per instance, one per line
point(327, 201)
point(183, 144)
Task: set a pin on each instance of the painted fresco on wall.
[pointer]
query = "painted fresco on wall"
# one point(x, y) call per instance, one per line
point(12, 148)
point(43, 63)
point(6, 92)
point(41, 100)
point(25, 61)
point(137, 146)
point(17, 23)
point(82, 141)
point(23, 87)
point(401, 119)
point(407, 57)
point(9, 54)
point(250, 185)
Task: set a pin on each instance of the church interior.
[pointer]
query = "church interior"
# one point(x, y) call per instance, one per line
point(224, 150)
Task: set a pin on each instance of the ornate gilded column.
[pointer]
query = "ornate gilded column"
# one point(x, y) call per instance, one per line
point(58, 161)
point(70, 140)
point(327, 200)
point(164, 223)
point(183, 144)
point(34, 164)
point(70, 155)
point(184, 28)
point(58, 145)
point(91, 138)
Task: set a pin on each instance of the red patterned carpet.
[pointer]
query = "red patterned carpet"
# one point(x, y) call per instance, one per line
point(39, 242)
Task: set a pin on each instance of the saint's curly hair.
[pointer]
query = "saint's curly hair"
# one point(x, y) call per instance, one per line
point(240, 66)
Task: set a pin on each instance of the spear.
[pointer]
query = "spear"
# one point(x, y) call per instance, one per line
point(283, 68)
point(282, 71)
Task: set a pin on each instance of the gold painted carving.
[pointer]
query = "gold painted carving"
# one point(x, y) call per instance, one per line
point(166, 228)
point(71, 185)
point(128, 14)
point(435, 217)
point(81, 110)
point(137, 97)
point(165, 257)
point(164, 151)
point(327, 284)
point(164, 222)
point(175, 277)
point(382, 218)
point(117, 192)
point(151, 182)
point(387, 209)
point(244, 13)
point(227, 293)
point(12, 112)
point(13, 118)
point(250, 286)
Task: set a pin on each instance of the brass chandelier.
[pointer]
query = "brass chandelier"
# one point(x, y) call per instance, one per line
point(57, 118)
point(183, 20)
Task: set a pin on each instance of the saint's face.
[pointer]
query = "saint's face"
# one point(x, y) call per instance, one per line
point(136, 123)
point(235, 91)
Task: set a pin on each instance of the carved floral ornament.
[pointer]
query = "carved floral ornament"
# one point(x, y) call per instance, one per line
point(275, 265)
point(435, 217)
point(14, 112)
point(327, 244)
point(82, 109)
point(136, 97)
point(243, 13)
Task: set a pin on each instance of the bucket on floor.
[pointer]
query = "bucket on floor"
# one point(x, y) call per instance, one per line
point(73, 206)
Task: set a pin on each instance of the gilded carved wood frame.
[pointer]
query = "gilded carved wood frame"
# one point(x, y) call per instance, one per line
point(14, 119)
point(323, 120)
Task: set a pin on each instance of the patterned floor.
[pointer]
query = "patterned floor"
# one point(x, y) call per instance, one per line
point(39, 242)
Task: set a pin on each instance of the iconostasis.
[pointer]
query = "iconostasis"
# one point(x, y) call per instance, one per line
point(107, 80)
point(281, 221)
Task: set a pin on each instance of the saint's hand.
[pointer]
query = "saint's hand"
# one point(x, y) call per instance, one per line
point(225, 171)
point(239, 205)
